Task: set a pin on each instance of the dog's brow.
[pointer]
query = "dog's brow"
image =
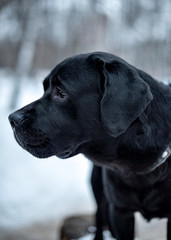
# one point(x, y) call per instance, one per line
point(46, 83)
point(55, 79)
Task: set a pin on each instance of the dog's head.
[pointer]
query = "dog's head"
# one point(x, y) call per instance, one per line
point(86, 97)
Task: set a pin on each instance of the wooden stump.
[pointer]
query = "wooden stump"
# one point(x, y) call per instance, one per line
point(77, 226)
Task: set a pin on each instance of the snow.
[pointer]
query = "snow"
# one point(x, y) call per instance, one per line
point(106, 235)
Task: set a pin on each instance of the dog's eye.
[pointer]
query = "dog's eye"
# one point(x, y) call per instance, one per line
point(60, 93)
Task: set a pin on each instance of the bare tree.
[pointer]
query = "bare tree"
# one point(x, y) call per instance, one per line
point(30, 30)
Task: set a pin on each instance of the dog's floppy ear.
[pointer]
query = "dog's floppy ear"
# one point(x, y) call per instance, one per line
point(124, 94)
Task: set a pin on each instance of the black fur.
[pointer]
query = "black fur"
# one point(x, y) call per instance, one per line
point(120, 118)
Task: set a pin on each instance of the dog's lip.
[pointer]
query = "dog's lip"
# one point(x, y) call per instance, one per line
point(32, 145)
point(40, 144)
point(71, 150)
point(65, 154)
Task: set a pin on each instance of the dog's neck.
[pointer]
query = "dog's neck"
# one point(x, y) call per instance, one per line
point(132, 150)
point(124, 160)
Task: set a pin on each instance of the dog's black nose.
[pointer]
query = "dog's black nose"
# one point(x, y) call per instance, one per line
point(15, 119)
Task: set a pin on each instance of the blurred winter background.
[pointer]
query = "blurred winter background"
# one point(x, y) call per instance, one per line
point(36, 195)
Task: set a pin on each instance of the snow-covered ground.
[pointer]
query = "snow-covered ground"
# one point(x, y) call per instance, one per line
point(34, 190)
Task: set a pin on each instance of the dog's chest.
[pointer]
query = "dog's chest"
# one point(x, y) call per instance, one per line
point(151, 200)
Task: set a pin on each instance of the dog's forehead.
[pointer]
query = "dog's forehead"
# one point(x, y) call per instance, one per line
point(72, 66)
point(74, 71)
point(79, 66)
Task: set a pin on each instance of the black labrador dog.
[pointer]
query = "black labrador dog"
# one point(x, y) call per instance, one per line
point(120, 118)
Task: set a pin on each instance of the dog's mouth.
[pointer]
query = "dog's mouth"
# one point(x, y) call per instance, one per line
point(65, 154)
point(42, 144)
point(37, 145)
